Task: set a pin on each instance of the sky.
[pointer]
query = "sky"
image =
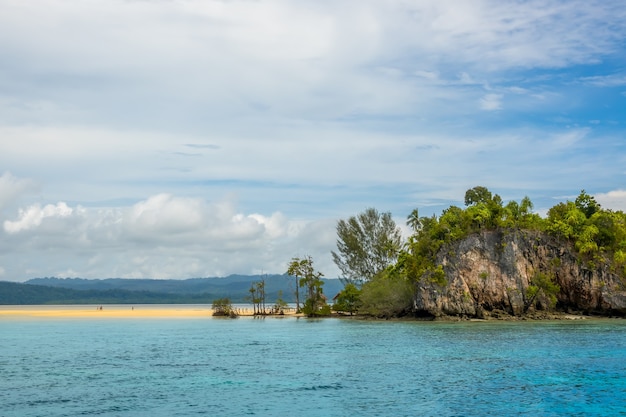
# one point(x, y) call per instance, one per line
point(202, 138)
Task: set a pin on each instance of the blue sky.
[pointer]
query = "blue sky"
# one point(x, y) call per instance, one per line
point(175, 139)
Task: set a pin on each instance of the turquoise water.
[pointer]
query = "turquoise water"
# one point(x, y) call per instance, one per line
point(301, 367)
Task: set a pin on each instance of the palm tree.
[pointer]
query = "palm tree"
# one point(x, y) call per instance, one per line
point(413, 221)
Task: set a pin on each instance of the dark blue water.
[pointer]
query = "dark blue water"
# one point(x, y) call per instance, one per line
point(301, 367)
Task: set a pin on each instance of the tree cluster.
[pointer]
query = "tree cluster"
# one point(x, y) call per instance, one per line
point(309, 279)
point(597, 234)
point(367, 246)
point(257, 297)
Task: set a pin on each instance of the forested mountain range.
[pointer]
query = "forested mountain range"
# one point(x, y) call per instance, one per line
point(150, 291)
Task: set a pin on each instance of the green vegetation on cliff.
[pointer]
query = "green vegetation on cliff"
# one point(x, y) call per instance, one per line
point(596, 233)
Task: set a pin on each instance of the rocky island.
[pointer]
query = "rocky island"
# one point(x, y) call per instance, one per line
point(496, 272)
point(488, 259)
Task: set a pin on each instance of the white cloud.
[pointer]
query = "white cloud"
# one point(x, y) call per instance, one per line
point(33, 216)
point(568, 139)
point(319, 59)
point(498, 35)
point(613, 80)
point(465, 78)
point(518, 90)
point(429, 75)
point(275, 225)
point(163, 236)
point(164, 215)
point(491, 102)
point(614, 200)
point(11, 187)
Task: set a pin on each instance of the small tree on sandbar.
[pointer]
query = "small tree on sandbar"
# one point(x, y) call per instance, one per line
point(310, 279)
point(222, 307)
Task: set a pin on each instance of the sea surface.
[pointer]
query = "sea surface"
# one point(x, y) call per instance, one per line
point(310, 367)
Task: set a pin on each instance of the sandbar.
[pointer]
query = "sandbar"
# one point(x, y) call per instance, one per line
point(114, 311)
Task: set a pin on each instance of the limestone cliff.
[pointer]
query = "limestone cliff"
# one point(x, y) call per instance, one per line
point(491, 271)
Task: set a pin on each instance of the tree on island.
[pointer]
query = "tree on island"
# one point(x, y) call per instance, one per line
point(348, 300)
point(295, 270)
point(542, 288)
point(280, 304)
point(413, 220)
point(310, 280)
point(257, 297)
point(222, 307)
point(366, 245)
point(387, 295)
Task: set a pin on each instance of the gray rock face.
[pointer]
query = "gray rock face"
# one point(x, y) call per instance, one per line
point(492, 270)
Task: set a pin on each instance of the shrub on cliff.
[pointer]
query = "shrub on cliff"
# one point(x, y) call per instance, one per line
point(598, 235)
point(387, 295)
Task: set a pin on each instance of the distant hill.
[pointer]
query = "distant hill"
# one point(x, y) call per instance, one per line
point(149, 291)
point(12, 293)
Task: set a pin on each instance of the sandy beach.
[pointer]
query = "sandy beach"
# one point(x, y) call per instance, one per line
point(115, 311)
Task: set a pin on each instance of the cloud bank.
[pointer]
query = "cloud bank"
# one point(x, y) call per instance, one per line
point(160, 237)
point(190, 138)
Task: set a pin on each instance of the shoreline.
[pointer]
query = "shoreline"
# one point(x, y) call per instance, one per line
point(121, 311)
point(203, 311)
